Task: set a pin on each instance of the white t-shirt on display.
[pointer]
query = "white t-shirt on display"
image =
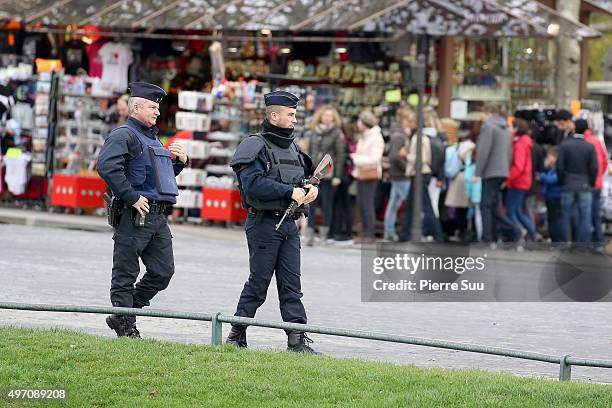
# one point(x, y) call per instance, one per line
point(17, 175)
point(116, 59)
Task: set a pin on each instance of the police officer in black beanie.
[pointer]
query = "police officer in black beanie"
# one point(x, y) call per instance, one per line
point(270, 169)
point(141, 173)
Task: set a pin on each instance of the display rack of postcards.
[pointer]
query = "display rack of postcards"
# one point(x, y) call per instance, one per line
point(80, 129)
point(218, 121)
point(195, 119)
point(79, 135)
point(238, 113)
point(220, 195)
point(40, 131)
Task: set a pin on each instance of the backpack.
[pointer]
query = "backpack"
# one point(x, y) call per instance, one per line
point(452, 162)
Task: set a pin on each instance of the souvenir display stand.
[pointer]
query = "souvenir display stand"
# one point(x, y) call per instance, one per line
point(79, 135)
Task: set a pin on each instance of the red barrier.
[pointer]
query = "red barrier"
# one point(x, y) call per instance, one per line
point(222, 205)
point(77, 192)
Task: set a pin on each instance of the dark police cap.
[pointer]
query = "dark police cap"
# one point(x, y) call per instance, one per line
point(281, 98)
point(563, 114)
point(145, 90)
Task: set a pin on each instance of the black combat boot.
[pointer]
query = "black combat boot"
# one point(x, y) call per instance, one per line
point(123, 326)
point(118, 324)
point(299, 343)
point(130, 328)
point(132, 332)
point(237, 337)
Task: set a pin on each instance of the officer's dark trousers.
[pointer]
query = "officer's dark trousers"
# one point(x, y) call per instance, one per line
point(272, 252)
point(153, 244)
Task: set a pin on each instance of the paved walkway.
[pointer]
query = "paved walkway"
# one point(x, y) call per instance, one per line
point(51, 265)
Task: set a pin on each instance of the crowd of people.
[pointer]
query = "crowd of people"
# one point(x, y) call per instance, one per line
point(492, 181)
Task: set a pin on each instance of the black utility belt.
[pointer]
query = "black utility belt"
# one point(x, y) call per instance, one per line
point(273, 214)
point(157, 207)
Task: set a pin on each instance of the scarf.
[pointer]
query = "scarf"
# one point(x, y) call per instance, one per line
point(282, 137)
point(322, 129)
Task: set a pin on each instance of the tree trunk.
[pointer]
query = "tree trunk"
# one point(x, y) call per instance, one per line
point(568, 58)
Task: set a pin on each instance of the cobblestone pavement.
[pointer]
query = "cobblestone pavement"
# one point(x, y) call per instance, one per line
point(48, 265)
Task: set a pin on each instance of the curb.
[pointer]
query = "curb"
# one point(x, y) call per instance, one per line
point(43, 220)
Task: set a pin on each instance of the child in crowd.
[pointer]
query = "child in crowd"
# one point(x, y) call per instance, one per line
point(552, 194)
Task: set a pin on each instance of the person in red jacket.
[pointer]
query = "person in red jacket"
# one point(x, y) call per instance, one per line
point(520, 177)
point(602, 167)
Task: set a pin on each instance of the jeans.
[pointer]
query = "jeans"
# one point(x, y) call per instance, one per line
point(430, 221)
point(598, 237)
point(366, 194)
point(461, 221)
point(478, 221)
point(514, 204)
point(531, 209)
point(380, 197)
point(490, 211)
point(399, 192)
point(553, 215)
point(343, 207)
point(583, 200)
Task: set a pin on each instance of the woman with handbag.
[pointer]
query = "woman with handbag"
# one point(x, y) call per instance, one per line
point(326, 137)
point(367, 160)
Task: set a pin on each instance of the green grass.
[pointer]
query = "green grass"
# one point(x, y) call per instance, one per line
point(105, 372)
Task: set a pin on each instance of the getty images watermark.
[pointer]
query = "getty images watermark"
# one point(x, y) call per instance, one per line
point(412, 264)
point(426, 272)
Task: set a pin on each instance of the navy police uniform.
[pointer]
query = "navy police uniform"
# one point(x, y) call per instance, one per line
point(133, 162)
point(269, 165)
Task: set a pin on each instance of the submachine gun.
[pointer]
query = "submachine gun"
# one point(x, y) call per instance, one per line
point(324, 168)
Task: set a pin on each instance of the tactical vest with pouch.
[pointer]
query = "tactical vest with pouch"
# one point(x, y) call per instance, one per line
point(286, 166)
point(151, 173)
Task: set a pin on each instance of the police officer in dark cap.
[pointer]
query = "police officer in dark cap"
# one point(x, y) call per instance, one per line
point(141, 173)
point(270, 169)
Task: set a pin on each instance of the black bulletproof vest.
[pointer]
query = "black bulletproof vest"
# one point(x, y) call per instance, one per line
point(285, 166)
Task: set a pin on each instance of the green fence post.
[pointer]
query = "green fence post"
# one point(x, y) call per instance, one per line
point(565, 370)
point(217, 330)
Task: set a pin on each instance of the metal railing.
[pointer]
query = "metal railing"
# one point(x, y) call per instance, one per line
point(565, 362)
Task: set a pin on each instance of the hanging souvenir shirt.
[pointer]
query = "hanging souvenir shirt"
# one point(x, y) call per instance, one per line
point(23, 113)
point(74, 56)
point(116, 59)
point(17, 174)
point(95, 60)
